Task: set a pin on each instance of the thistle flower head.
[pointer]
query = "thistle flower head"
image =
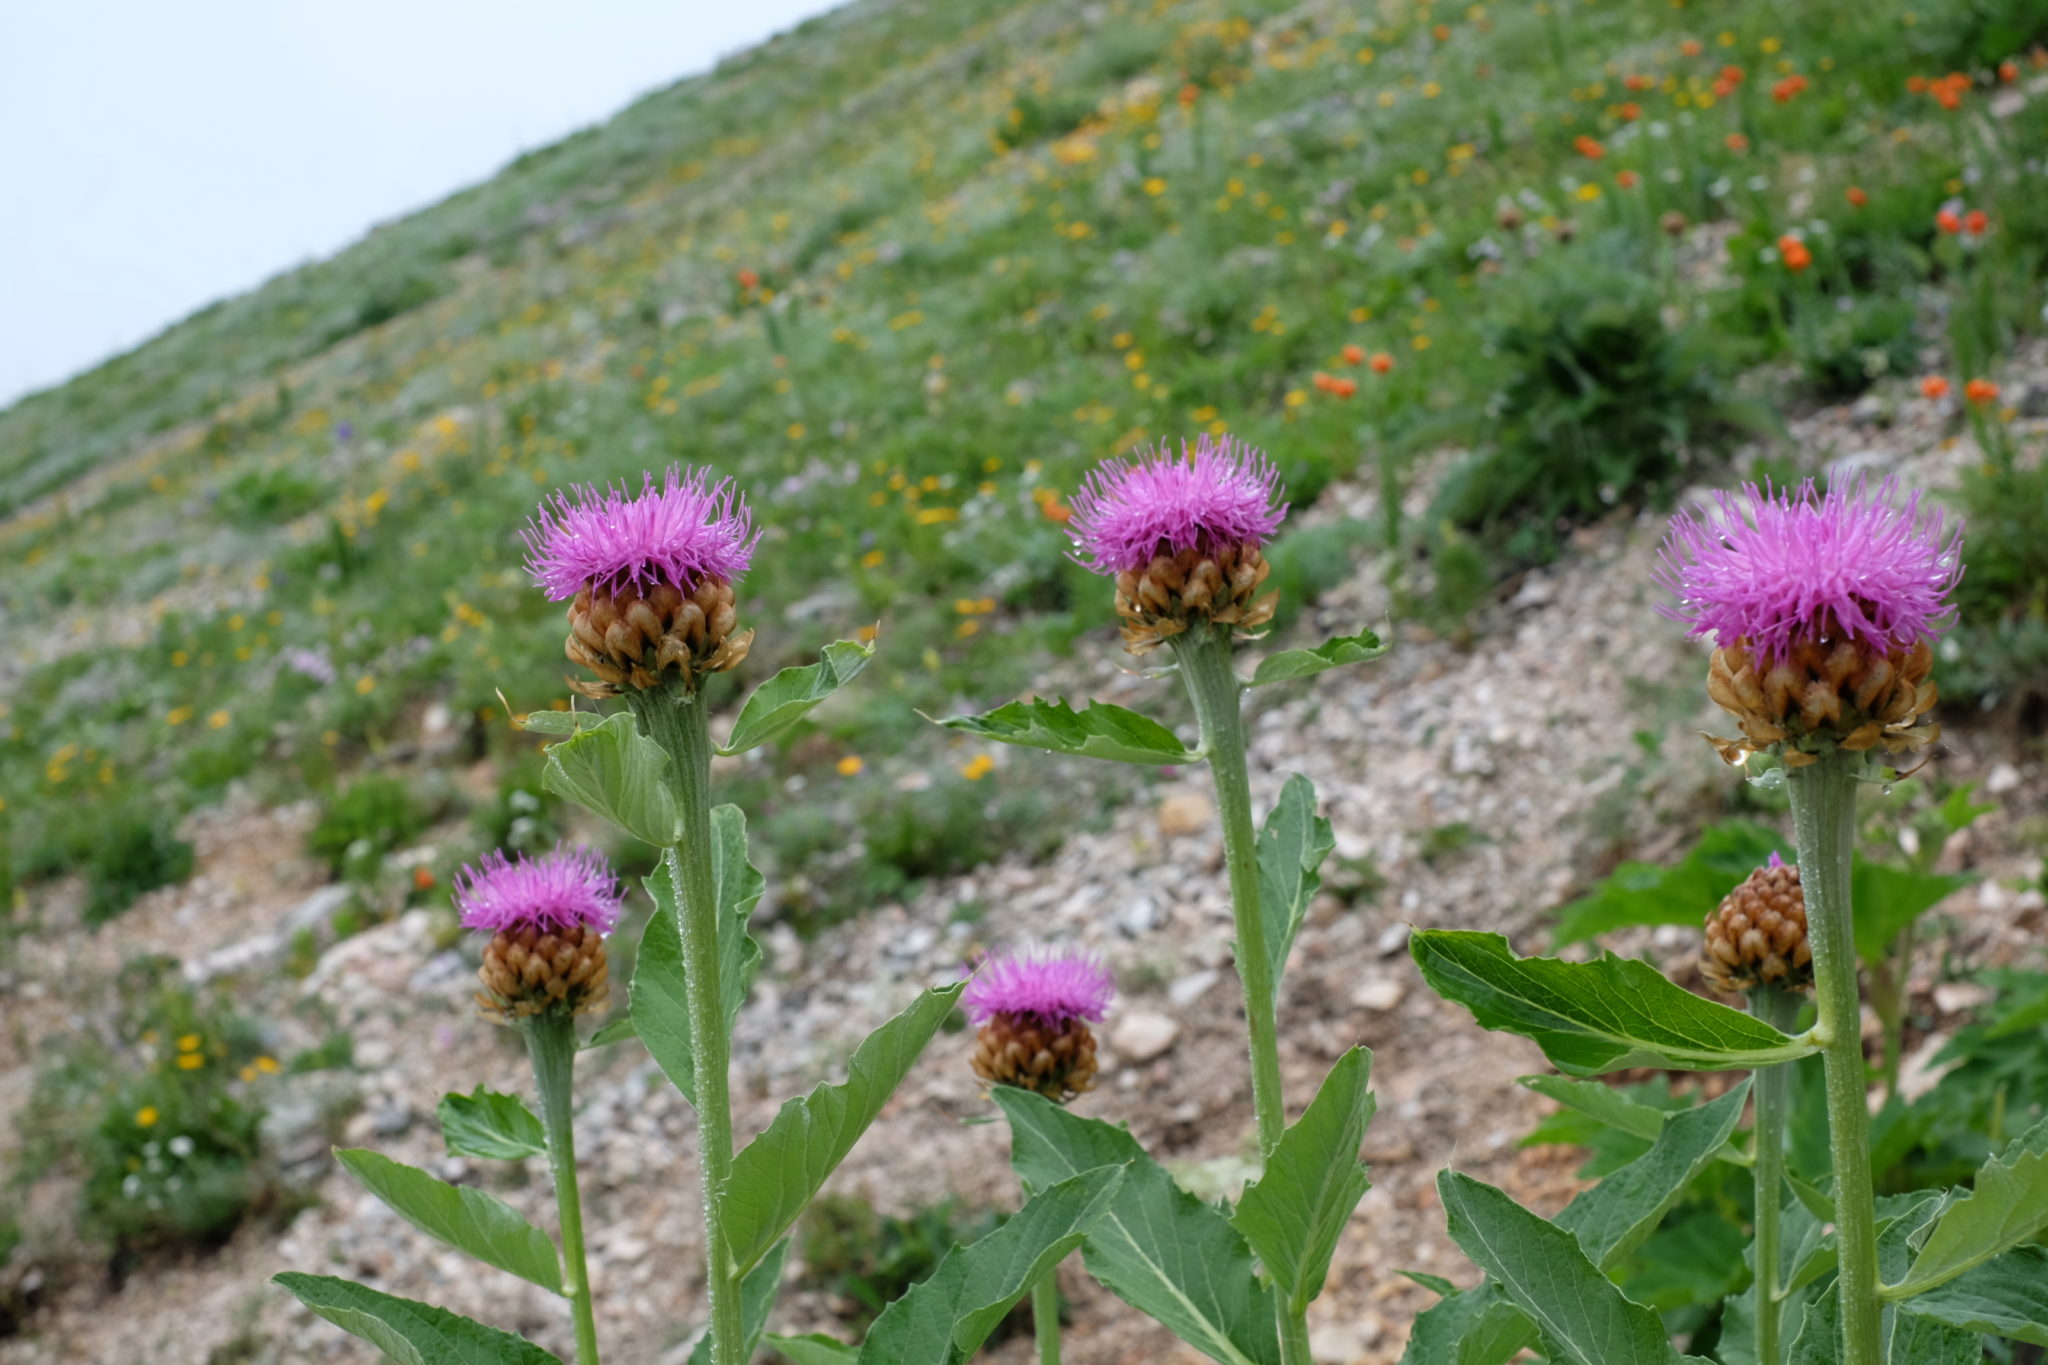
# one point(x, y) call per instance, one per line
point(677, 533)
point(1775, 568)
point(571, 887)
point(1054, 988)
point(1217, 495)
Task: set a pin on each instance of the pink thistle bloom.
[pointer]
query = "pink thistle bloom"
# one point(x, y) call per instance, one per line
point(679, 533)
point(1052, 987)
point(569, 887)
point(1218, 495)
point(1777, 567)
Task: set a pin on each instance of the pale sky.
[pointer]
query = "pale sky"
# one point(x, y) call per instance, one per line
point(155, 157)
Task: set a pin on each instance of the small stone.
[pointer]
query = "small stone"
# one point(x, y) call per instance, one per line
point(1188, 989)
point(1337, 1343)
point(1142, 1035)
point(391, 1119)
point(1382, 993)
point(1959, 997)
point(1139, 918)
point(1393, 939)
point(2004, 777)
point(1186, 813)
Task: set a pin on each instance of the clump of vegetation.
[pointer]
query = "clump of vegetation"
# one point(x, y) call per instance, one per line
point(868, 1259)
point(134, 853)
point(370, 817)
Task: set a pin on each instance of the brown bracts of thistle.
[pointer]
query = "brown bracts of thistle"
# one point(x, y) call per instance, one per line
point(1165, 597)
point(634, 637)
point(1055, 1060)
point(1757, 935)
point(1836, 690)
point(527, 971)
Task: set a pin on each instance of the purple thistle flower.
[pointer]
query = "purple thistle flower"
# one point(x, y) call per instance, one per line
point(683, 531)
point(1219, 494)
point(568, 887)
point(1776, 567)
point(1053, 987)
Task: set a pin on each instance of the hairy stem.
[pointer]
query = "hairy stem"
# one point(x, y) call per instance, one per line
point(674, 717)
point(1779, 1009)
point(1824, 817)
point(1204, 655)
point(1045, 1317)
point(551, 1042)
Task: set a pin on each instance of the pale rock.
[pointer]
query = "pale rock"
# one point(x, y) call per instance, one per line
point(1186, 813)
point(1379, 993)
point(1188, 989)
point(1143, 1035)
point(1958, 997)
point(2004, 777)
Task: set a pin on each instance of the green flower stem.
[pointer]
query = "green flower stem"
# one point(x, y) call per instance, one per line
point(1824, 817)
point(674, 717)
point(551, 1042)
point(1045, 1317)
point(1204, 656)
point(1779, 1009)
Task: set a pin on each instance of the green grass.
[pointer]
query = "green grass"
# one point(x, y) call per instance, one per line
point(992, 244)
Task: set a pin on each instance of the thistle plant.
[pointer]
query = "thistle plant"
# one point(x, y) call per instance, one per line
point(1182, 536)
point(1032, 1015)
point(649, 579)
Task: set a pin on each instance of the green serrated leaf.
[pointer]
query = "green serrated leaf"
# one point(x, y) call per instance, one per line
point(559, 722)
point(1292, 845)
point(946, 1318)
point(2007, 1205)
point(1923, 1341)
point(1157, 1247)
point(1888, 898)
point(1595, 1017)
point(467, 1219)
point(1293, 1214)
point(1578, 1311)
point(1820, 1334)
point(1682, 893)
point(757, 1300)
point(813, 1348)
point(617, 772)
point(1099, 731)
point(658, 998)
point(2005, 1297)
point(790, 695)
point(1612, 1219)
point(408, 1332)
point(1476, 1326)
point(1604, 1104)
point(492, 1126)
point(780, 1171)
point(1303, 663)
point(617, 1031)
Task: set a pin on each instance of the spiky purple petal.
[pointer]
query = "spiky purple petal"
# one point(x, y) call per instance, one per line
point(1774, 567)
point(1054, 986)
point(1217, 495)
point(567, 887)
point(686, 529)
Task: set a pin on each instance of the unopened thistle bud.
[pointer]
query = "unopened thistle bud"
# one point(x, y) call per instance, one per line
point(548, 917)
point(1757, 935)
point(648, 579)
point(1032, 1014)
point(1823, 609)
point(1181, 535)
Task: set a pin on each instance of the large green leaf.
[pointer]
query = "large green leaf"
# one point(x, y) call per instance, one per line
point(813, 1348)
point(1476, 1326)
point(945, 1319)
point(2006, 1297)
point(790, 695)
point(1682, 893)
point(1579, 1313)
point(1612, 1219)
point(492, 1126)
point(1303, 663)
point(1888, 898)
point(410, 1333)
point(1594, 1017)
point(2007, 1205)
point(1292, 845)
point(779, 1171)
point(658, 996)
point(1293, 1214)
point(1923, 1341)
point(1100, 731)
point(617, 772)
point(1160, 1249)
point(757, 1299)
point(1604, 1104)
point(467, 1219)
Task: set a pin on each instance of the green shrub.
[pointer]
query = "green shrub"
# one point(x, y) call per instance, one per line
point(372, 816)
point(856, 1254)
point(270, 495)
point(133, 852)
point(2000, 645)
point(1309, 562)
point(1843, 350)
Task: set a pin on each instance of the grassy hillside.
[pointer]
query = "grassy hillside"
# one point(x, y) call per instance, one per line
point(911, 269)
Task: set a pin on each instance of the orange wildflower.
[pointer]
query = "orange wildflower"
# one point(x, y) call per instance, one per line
point(1916, 85)
point(1381, 362)
point(1976, 222)
point(1948, 221)
point(1589, 148)
point(1628, 180)
point(423, 879)
point(1856, 197)
point(1737, 143)
point(1980, 391)
point(1691, 47)
point(1334, 386)
point(1794, 253)
point(1629, 112)
point(2008, 71)
point(1784, 90)
point(1354, 355)
point(1934, 387)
